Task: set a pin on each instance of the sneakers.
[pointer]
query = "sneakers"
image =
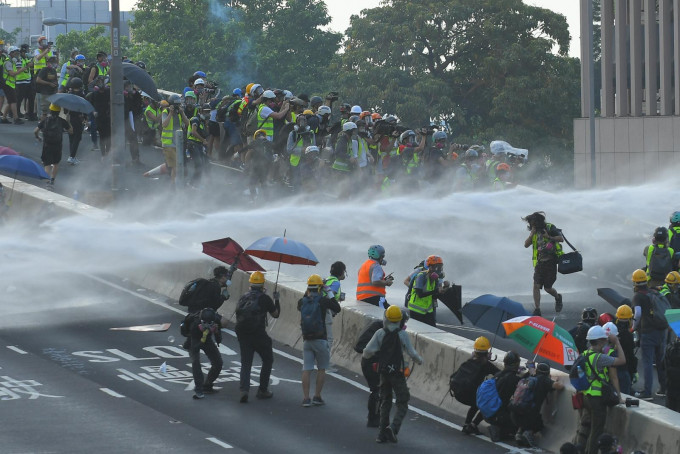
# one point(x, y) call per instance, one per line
point(210, 389)
point(558, 303)
point(73, 161)
point(471, 429)
point(382, 438)
point(528, 438)
point(537, 312)
point(264, 394)
point(495, 433)
point(4, 121)
point(661, 393)
point(391, 435)
point(308, 403)
point(643, 396)
point(198, 395)
point(244, 397)
point(318, 401)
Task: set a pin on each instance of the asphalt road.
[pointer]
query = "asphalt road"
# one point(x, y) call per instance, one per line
point(70, 383)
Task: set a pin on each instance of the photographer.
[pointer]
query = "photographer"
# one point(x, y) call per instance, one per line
point(172, 117)
point(545, 239)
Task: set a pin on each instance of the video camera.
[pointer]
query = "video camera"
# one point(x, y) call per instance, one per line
point(332, 96)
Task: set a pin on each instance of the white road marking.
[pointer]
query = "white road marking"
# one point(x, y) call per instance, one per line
point(219, 443)
point(17, 349)
point(111, 392)
point(142, 379)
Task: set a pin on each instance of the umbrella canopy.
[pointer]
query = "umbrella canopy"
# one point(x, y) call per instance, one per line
point(489, 311)
point(673, 317)
point(613, 297)
point(4, 151)
point(452, 298)
point(71, 102)
point(229, 251)
point(282, 250)
point(142, 79)
point(18, 165)
point(542, 337)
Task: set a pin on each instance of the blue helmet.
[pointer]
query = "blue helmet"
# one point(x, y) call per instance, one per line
point(80, 57)
point(237, 92)
point(675, 217)
point(199, 74)
point(376, 252)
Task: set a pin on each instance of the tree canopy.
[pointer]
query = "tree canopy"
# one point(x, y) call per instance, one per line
point(89, 42)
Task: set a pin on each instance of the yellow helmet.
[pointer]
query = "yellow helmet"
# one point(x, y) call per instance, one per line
point(249, 86)
point(258, 132)
point(393, 314)
point(55, 108)
point(482, 344)
point(314, 279)
point(624, 312)
point(673, 278)
point(257, 278)
point(639, 277)
point(164, 104)
point(307, 112)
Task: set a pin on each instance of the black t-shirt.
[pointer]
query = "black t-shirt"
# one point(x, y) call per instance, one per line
point(543, 388)
point(506, 382)
point(266, 306)
point(207, 295)
point(48, 75)
point(642, 299)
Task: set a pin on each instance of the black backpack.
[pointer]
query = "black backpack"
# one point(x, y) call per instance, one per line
point(366, 336)
point(660, 263)
point(312, 321)
point(675, 239)
point(464, 382)
point(52, 133)
point(391, 360)
point(190, 290)
point(659, 305)
point(248, 313)
point(185, 326)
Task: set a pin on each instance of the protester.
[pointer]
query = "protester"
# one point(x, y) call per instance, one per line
point(627, 375)
point(371, 281)
point(205, 334)
point(52, 128)
point(579, 332)
point(425, 290)
point(659, 258)
point(370, 374)
point(501, 425)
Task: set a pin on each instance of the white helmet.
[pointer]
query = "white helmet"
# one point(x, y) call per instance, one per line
point(268, 94)
point(256, 90)
point(348, 126)
point(287, 94)
point(596, 332)
point(324, 110)
point(199, 82)
point(312, 149)
point(610, 328)
point(355, 110)
point(12, 49)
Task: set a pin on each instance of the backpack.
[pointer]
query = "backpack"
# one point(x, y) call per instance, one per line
point(659, 305)
point(464, 382)
point(366, 336)
point(232, 111)
point(248, 313)
point(579, 381)
point(488, 400)
point(523, 398)
point(674, 239)
point(52, 133)
point(391, 359)
point(185, 326)
point(580, 336)
point(672, 361)
point(312, 321)
point(660, 263)
point(190, 291)
point(252, 123)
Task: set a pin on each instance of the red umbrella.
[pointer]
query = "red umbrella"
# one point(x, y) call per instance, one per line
point(227, 250)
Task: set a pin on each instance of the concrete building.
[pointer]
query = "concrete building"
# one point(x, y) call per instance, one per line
point(637, 132)
point(29, 14)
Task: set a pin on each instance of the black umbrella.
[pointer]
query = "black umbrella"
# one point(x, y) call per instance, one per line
point(613, 297)
point(142, 79)
point(452, 298)
point(71, 102)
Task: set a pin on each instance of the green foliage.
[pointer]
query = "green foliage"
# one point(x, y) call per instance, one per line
point(88, 43)
point(9, 37)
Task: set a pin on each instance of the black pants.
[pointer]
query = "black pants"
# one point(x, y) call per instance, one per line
point(198, 157)
point(373, 380)
point(393, 383)
point(75, 138)
point(503, 419)
point(210, 349)
point(24, 92)
point(250, 344)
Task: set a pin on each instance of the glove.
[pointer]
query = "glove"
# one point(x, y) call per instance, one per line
point(225, 293)
point(276, 295)
point(636, 377)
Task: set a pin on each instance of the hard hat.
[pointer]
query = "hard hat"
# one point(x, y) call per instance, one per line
point(511, 358)
point(672, 278)
point(502, 167)
point(405, 135)
point(639, 277)
point(376, 252)
point(365, 113)
point(256, 278)
point(624, 312)
point(434, 260)
point(543, 368)
point(199, 74)
point(55, 108)
point(316, 101)
point(610, 328)
point(314, 280)
point(675, 217)
point(75, 83)
point(287, 94)
point(259, 132)
point(12, 49)
point(164, 103)
point(312, 149)
point(175, 99)
point(393, 314)
point(307, 112)
point(661, 234)
point(237, 92)
point(190, 94)
point(267, 94)
point(256, 90)
point(80, 57)
point(596, 332)
point(589, 314)
point(472, 154)
point(41, 38)
point(355, 110)
point(349, 125)
point(199, 82)
point(439, 135)
point(454, 156)
point(391, 119)
point(324, 110)
point(482, 344)
point(604, 318)
point(249, 86)
point(376, 116)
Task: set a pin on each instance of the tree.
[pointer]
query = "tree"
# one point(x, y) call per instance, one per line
point(9, 37)
point(89, 43)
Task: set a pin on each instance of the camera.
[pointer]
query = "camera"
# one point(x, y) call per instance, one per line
point(332, 96)
point(50, 43)
point(630, 402)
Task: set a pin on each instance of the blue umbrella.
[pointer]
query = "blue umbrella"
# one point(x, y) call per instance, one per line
point(490, 311)
point(18, 165)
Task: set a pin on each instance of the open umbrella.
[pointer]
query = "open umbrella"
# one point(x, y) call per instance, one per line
point(673, 317)
point(229, 251)
point(71, 102)
point(542, 337)
point(453, 300)
point(7, 151)
point(282, 250)
point(18, 165)
point(489, 311)
point(142, 79)
point(613, 297)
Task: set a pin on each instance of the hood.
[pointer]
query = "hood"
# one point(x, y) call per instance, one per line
point(391, 326)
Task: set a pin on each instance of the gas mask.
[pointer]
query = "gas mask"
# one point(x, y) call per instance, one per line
point(440, 145)
point(104, 63)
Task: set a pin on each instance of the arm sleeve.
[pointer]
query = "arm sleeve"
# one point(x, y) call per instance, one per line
point(377, 273)
point(406, 343)
point(373, 345)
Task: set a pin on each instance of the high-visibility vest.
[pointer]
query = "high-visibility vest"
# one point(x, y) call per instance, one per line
point(341, 162)
point(201, 129)
point(169, 131)
point(534, 243)
point(597, 376)
point(101, 71)
point(151, 124)
point(330, 280)
point(422, 305)
point(40, 64)
point(26, 75)
point(9, 80)
point(650, 251)
point(365, 288)
point(266, 124)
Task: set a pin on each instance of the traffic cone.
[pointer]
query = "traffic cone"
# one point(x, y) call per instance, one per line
point(160, 170)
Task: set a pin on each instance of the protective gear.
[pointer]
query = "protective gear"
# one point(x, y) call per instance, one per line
point(471, 154)
point(307, 112)
point(661, 234)
point(237, 92)
point(316, 101)
point(610, 328)
point(249, 86)
point(596, 332)
point(141, 64)
point(190, 94)
point(673, 278)
point(365, 113)
point(589, 314)
point(314, 280)
point(324, 110)
point(407, 137)
point(502, 167)
point(199, 74)
point(391, 119)
point(604, 318)
point(345, 108)
point(348, 126)
point(268, 94)
point(42, 38)
point(376, 116)
point(12, 49)
point(434, 260)
point(376, 252)
point(256, 90)
point(639, 277)
point(511, 358)
point(624, 312)
point(259, 132)
point(287, 95)
point(164, 104)
point(80, 57)
point(175, 99)
point(355, 110)
point(75, 83)
point(311, 149)
point(543, 368)
point(256, 278)
point(482, 344)
point(675, 217)
point(199, 82)
point(393, 314)
point(439, 135)
point(55, 108)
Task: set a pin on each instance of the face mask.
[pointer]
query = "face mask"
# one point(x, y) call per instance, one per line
point(440, 145)
point(383, 262)
point(104, 63)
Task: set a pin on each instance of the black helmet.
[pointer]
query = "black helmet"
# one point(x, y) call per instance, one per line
point(208, 315)
point(316, 101)
point(543, 368)
point(141, 64)
point(661, 234)
point(511, 358)
point(345, 108)
point(75, 83)
point(175, 99)
point(220, 271)
point(589, 314)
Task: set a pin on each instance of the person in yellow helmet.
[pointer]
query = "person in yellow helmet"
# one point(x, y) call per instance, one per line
point(251, 321)
point(52, 128)
point(671, 289)
point(627, 375)
point(389, 344)
point(313, 307)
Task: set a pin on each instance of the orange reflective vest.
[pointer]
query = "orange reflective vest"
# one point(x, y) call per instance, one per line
point(365, 289)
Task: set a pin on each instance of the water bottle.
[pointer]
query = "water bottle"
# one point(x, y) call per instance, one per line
point(580, 372)
point(76, 195)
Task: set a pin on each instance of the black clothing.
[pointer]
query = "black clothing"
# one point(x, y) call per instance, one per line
point(207, 295)
point(488, 368)
point(530, 418)
point(206, 341)
point(579, 333)
point(266, 306)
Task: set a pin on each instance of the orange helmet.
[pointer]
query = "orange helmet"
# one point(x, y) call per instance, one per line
point(376, 116)
point(454, 156)
point(365, 113)
point(502, 166)
point(434, 260)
